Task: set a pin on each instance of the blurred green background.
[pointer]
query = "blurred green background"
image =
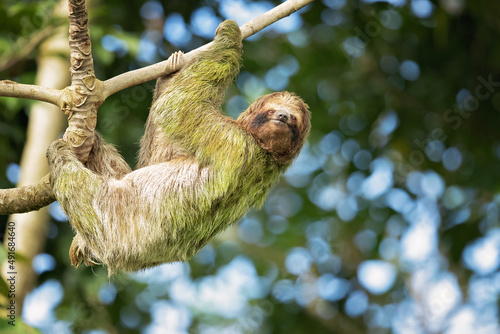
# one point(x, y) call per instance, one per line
point(388, 222)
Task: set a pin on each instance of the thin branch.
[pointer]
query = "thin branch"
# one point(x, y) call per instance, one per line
point(139, 76)
point(277, 13)
point(154, 71)
point(13, 89)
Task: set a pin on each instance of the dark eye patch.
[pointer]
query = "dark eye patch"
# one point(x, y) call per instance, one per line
point(259, 120)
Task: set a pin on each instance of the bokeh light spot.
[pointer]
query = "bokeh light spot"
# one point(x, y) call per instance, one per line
point(377, 276)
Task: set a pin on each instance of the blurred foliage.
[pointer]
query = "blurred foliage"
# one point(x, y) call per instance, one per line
point(400, 169)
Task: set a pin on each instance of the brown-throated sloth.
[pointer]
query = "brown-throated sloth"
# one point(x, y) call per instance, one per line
point(199, 171)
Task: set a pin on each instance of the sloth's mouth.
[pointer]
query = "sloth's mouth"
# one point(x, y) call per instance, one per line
point(278, 121)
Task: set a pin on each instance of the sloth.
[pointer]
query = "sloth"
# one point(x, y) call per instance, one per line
point(198, 170)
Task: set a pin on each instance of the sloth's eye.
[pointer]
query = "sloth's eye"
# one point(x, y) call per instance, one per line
point(270, 112)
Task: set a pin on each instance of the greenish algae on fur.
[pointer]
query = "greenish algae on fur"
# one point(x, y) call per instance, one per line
point(169, 210)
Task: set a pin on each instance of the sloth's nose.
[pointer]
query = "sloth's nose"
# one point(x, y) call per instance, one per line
point(282, 115)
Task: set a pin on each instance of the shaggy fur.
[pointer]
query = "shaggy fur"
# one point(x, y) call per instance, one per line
point(199, 171)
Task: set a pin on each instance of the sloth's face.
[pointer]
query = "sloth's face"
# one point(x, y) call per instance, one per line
point(279, 123)
point(276, 127)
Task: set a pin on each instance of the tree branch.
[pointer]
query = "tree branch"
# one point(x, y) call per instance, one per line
point(33, 92)
point(28, 198)
point(277, 13)
point(163, 68)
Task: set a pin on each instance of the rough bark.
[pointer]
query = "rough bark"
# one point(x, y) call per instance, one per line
point(82, 112)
